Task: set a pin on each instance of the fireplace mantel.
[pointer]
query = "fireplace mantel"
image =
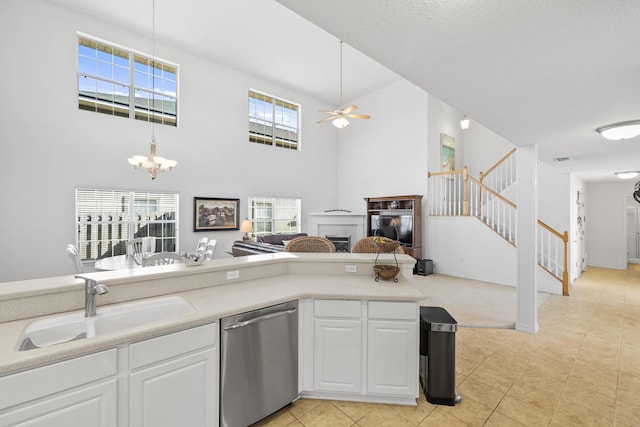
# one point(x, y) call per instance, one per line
point(338, 222)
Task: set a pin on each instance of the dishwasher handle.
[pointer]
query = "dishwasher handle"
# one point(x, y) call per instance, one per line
point(260, 319)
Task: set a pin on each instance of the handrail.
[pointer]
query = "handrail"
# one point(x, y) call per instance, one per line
point(493, 193)
point(498, 163)
point(456, 193)
point(430, 174)
point(564, 236)
point(565, 257)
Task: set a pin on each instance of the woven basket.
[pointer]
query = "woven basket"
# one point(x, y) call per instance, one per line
point(386, 271)
point(387, 247)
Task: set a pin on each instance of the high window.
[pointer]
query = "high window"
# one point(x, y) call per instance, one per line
point(274, 215)
point(106, 219)
point(117, 81)
point(273, 121)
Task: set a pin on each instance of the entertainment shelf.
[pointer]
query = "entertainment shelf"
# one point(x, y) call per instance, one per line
point(398, 218)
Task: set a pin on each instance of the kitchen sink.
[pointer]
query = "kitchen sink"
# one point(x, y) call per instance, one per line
point(72, 327)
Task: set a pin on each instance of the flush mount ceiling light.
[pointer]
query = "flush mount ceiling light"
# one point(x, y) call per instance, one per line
point(152, 164)
point(339, 116)
point(464, 123)
point(626, 175)
point(621, 130)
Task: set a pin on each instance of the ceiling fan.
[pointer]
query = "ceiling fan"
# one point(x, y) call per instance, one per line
point(339, 116)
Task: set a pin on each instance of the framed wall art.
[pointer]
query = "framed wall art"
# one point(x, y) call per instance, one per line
point(447, 153)
point(212, 214)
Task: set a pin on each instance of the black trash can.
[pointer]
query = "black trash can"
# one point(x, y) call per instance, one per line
point(438, 356)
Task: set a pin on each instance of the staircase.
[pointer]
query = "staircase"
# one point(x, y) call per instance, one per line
point(456, 193)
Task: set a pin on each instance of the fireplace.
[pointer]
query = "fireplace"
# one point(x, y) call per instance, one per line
point(338, 223)
point(342, 243)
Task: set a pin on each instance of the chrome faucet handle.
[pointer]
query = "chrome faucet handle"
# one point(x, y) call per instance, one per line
point(91, 290)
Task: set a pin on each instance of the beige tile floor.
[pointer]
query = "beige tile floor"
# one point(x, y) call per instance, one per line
point(581, 369)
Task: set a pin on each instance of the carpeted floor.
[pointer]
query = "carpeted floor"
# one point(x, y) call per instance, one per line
point(472, 303)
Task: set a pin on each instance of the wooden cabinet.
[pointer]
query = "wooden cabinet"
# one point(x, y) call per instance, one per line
point(80, 392)
point(398, 218)
point(174, 379)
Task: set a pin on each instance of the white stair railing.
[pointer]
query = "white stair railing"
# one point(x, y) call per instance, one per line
point(455, 193)
point(502, 174)
point(553, 253)
point(446, 193)
point(491, 208)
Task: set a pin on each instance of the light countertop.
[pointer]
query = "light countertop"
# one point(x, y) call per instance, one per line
point(264, 280)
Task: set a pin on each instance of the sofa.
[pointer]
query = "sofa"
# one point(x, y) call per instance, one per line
point(268, 244)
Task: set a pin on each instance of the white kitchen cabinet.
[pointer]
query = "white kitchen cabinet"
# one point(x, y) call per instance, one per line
point(392, 357)
point(392, 348)
point(174, 379)
point(337, 343)
point(79, 392)
point(360, 350)
point(338, 355)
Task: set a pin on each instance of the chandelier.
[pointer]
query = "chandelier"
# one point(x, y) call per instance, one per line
point(152, 164)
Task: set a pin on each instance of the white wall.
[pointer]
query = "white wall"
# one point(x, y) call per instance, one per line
point(482, 148)
point(444, 119)
point(553, 197)
point(605, 224)
point(387, 155)
point(464, 247)
point(50, 147)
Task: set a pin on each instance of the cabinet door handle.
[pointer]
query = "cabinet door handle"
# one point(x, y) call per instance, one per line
point(260, 319)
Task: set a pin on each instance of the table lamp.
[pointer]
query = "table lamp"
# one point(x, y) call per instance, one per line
point(245, 228)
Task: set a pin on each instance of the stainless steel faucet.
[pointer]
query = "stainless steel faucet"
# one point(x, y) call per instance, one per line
point(91, 291)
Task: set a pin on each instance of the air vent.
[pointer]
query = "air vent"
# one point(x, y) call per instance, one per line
point(562, 159)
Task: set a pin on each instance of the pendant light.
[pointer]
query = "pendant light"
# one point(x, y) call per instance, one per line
point(152, 164)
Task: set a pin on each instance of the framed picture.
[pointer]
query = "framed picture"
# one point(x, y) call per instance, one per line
point(447, 153)
point(212, 214)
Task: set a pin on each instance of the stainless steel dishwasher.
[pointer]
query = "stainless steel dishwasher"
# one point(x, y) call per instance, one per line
point(258, 364)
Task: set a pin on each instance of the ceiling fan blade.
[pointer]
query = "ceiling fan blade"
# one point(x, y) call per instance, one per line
point(349, 109)
point(359, 116)
point(326, 119)
point(327, 111)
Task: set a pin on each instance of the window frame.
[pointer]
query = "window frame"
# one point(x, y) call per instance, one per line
point(274, 132)
point(161, 89)
point(128, 225)
point(277, 223)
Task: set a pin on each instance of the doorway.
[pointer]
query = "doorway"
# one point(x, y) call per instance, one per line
point(633, 231)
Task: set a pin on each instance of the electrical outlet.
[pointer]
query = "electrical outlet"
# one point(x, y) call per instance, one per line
point(350, 268)
point(235, 274)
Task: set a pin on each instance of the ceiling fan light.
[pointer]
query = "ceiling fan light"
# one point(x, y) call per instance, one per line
point(340, 122)
point(626, 175)
point(622, 130)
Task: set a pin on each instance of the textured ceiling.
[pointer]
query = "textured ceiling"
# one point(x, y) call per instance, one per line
point(544, 72)
point(536, 72)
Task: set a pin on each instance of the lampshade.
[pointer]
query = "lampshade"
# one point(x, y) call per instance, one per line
point(246, 226)
point(626, 175)
point(621, 130)
point(464, 123)
point(340, 122)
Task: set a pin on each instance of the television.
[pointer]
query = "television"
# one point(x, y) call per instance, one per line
point(395, 227)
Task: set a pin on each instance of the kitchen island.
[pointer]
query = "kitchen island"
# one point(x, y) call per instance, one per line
point(337, 293)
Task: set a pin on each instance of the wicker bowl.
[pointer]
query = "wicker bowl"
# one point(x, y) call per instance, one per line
point(386, 271)
point(387, 247)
